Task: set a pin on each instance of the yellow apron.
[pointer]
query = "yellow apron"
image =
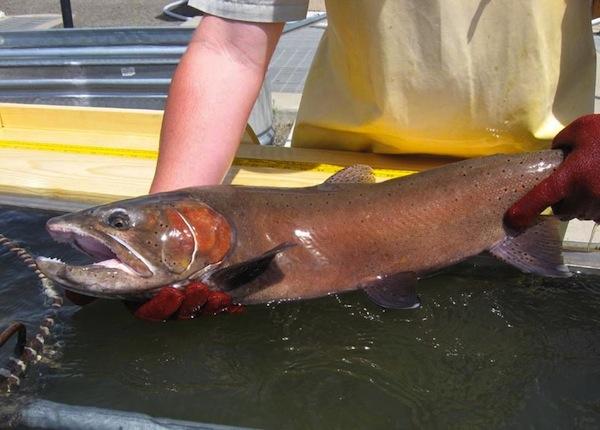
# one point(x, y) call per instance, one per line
point(449, 77)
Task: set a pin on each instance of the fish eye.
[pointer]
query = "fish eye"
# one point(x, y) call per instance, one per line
point(118, 220)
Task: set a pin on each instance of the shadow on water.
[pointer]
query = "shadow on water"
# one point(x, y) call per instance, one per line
point(490, 348)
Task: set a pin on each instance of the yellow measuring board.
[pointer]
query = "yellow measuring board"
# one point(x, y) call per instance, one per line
point(97, 154)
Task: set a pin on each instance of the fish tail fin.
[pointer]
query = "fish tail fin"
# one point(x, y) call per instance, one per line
point(537, 250)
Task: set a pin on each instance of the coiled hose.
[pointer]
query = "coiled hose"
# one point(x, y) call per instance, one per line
point(27, 352)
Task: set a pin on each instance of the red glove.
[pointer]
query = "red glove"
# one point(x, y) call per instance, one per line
point(193, 300)
point(573, 190)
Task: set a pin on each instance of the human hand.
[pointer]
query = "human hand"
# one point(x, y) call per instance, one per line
point(193, 300)
point(573, 190)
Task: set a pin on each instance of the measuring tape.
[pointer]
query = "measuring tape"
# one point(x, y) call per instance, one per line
point(303, 166)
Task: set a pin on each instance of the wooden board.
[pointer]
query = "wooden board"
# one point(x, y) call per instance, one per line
point(95, 155)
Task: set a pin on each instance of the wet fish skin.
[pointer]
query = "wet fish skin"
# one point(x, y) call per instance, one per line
point(266, 244)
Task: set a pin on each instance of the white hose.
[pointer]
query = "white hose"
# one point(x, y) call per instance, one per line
point(167, 10)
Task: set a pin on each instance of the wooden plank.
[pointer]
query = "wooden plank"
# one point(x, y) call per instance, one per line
point(342, 158)
point(84, 126)
point(99, 179)
point(76, 118)
point(94, 155)
point(140, 129)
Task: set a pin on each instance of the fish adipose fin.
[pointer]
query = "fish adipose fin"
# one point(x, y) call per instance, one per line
point(398, 291)
point(236, 275)
point(358, 173)
point(536, 250)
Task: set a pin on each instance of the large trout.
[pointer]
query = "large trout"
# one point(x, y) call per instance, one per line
point(266, 244)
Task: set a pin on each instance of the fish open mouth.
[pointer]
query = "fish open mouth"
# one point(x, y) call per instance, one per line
point(107, 251)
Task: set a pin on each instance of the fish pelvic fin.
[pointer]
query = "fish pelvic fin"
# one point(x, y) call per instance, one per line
point(231, 277)
point(397, 291)
point(358, 173)
point(536, 250)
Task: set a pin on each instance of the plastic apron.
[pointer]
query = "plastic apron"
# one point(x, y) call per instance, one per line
point(448, 77)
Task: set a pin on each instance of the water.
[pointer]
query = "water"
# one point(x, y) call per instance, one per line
point(490, 348)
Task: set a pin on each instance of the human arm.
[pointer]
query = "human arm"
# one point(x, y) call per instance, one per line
point(573, 190)
point(211, 95)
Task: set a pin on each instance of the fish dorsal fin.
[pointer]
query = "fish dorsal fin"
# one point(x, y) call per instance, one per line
point(536, 250)
point(397, 291)
point(356, 174)
point(236, 275)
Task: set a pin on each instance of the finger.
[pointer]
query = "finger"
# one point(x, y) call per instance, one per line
point(550, 191)
point(161, 306)
point(196, 296)
point(579, 205)
point(583, 130)
point(217, 302)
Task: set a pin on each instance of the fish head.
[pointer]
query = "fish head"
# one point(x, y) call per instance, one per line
point(139, 245)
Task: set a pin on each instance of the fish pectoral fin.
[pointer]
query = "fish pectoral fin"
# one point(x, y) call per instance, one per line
point(358, 173)
point(536, 250)
point(397, 291)
point(234, 276)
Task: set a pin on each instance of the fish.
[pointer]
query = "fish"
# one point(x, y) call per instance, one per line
point(266, 244)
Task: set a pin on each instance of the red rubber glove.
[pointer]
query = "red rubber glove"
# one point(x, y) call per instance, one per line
point(573, 190)
point(192, 300)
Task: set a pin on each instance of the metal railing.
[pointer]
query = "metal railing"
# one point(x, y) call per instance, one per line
point(121, 67)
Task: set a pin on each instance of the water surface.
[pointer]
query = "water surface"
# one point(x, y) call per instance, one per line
point(490, 348)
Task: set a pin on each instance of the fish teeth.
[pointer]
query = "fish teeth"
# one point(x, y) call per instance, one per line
point(54, 259)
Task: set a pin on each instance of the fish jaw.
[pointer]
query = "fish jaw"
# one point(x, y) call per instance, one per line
point(107, 279)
